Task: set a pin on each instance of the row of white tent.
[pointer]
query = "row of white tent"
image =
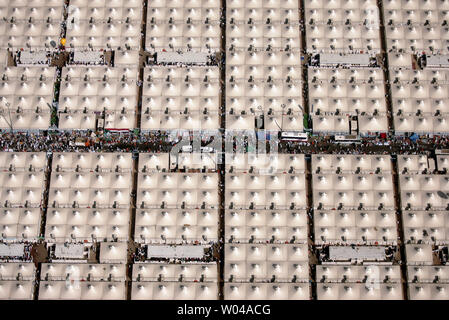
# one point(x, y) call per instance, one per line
point(174, 291)
point(435, 16)
point(357, 273)
point(328, 163)
point(248, 252)
point(86, 224)
point(422, 125)
point(176, 188)
point(83, 272)
point(428, 274)
point(195, 15)
point(117, 10)
point(340, 124)
point(87, 189)
point(356, 14)
point(261, 234)
point(161, 121)
point(278, 122)
point(356, 226)
point(143, 272)
point(101, 35)
point(252, 219)
point(416, 38)
point(428, 291)
point(281, 271)
point(359, 291)
point(85, 290)
point(267, 291)
point(86, 162)
point(275, 14)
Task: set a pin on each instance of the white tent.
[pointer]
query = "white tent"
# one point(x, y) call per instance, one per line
point(113, 252)
point(61, 290)
point(419, 254)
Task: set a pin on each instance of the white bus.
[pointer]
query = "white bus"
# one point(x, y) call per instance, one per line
point(293, 136)
point(347, 139)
